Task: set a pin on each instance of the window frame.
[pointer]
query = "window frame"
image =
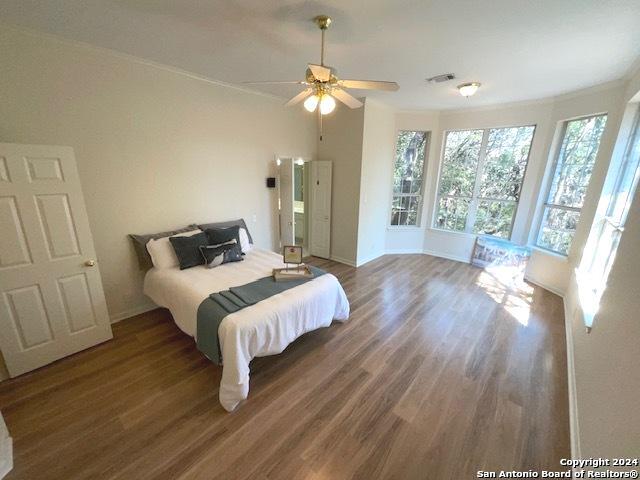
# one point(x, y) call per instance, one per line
point(543, 204)
point(420, 195)
point(474, 199)
point(592, 285)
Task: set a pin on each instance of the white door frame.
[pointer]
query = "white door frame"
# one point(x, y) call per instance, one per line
point(325, 250)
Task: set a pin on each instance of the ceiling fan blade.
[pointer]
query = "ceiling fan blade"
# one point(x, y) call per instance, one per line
point(321, 73)
point(369, 85)
point(346, 98)
point(299, 82)
point(298, 98)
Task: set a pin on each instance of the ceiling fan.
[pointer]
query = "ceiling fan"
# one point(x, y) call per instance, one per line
point(323, 85)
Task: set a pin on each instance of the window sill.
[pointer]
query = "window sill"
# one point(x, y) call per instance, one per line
point(404, 228)
point(549, 253)
point(453, 232)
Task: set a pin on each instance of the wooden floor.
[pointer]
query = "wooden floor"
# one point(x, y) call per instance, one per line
point(440, 372)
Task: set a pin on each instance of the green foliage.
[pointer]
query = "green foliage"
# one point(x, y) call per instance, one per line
point(461, 154)
point(576, 160)
point(570, 182)
point(409, 165)
point(407, 177)
point(492, 194)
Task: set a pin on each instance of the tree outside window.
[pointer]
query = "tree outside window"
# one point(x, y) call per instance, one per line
point(480, 179)
point(407, 178)
point(572, 173)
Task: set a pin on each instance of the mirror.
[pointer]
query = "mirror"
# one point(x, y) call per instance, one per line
point(293, 201)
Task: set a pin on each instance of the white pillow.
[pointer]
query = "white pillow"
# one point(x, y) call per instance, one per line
point(162, 253)
point(245, 245)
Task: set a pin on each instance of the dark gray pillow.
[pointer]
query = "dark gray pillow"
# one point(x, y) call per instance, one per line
point(218, 236)
point(140, 244)
point(188, 249)
point(231, 223)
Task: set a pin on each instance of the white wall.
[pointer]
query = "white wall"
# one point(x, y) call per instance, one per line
point(604, 364)
point(342, 145)
point(606, 361)
point(156, 149)
point(378, 146)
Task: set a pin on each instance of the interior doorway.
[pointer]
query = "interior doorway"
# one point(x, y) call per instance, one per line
point(293, 202)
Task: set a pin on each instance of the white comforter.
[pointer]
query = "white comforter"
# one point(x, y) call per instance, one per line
point(265, 328)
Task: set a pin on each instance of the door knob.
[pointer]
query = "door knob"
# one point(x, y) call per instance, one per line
point(90, 263)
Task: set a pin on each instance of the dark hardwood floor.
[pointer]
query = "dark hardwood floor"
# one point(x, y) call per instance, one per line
point(441, 371)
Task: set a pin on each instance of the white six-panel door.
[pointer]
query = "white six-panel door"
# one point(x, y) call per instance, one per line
point(320, 208)
point(51, 298)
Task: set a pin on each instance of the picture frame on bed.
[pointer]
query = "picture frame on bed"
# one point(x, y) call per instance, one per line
point(292, 254)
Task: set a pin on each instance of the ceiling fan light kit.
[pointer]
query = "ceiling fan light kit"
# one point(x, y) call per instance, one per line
point(323, 87)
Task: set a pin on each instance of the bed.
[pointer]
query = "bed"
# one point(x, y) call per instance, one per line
point(265, 328)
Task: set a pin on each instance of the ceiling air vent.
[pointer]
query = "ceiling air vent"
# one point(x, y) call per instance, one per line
point(445, 77)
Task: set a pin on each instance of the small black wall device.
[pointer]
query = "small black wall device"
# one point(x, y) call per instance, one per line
point(271, 182)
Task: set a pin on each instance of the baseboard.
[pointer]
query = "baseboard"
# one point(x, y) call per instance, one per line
point(574, 427)
point(542, 285)
point(456, 258)
point(335, 258)
point(404, 251)
point(371, 258)
point(400, 252)
point(132, 312)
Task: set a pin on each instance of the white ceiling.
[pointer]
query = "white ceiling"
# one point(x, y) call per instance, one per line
point(518, 49)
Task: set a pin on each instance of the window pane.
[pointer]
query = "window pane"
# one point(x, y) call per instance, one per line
point(494, 218)
point(505, 163)
point(452, 213)
point(404, 210)
point(576, 159)
point(627, 180)
point(409, 166)
point(407, 177)
point(412, 213)
point(558, 229)
point(460, 162)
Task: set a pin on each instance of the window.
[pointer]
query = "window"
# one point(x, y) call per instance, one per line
point(480, 179)
point(607, 230)
point(572, 172)
point(407, 178)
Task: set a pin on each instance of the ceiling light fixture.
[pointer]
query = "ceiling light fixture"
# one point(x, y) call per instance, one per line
point(311, 103)
point(468, 89)
point(327, 104)
point(323, 88)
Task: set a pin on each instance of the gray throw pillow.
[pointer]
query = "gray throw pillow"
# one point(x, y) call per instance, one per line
point(140, 244)
point(188, 249)
point(230, 223)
